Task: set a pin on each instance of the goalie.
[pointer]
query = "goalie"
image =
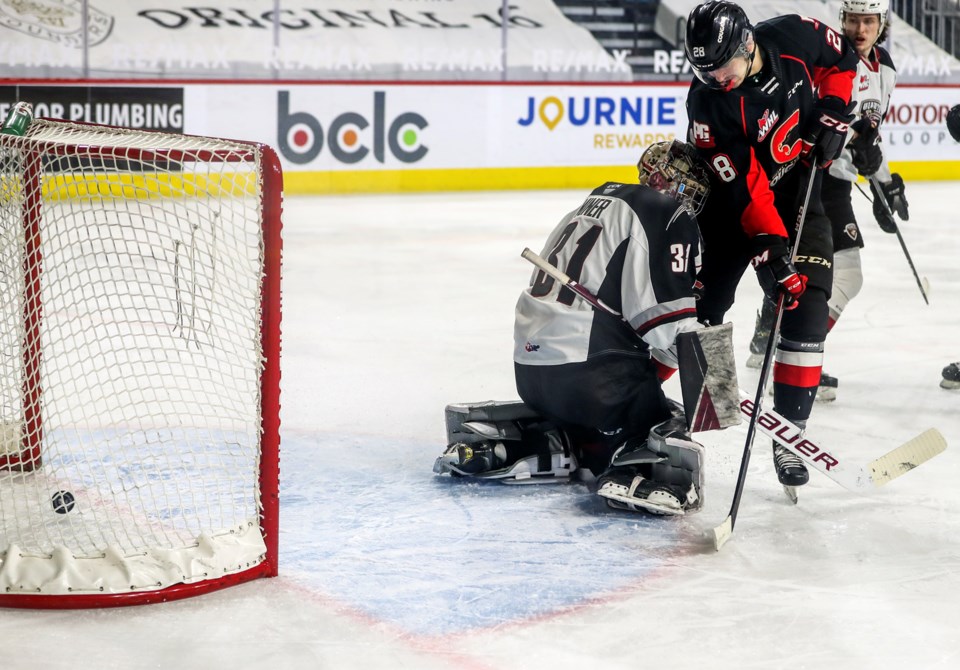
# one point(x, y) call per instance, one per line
point(590, 378)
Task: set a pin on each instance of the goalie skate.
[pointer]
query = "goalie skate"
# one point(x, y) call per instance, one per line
point(951, 376)
point(491, 460)
point(623, 489)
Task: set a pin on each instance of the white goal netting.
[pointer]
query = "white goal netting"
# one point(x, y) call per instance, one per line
point(131, 359)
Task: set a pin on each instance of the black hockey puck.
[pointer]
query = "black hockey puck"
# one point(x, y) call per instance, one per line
point(63, 502)
point(953, 122)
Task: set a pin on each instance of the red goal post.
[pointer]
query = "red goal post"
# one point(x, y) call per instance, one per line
point(139, 365)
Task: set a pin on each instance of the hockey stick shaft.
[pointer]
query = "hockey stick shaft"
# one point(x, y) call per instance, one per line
point(567, 281)
point(723, 532)
point(903, 245)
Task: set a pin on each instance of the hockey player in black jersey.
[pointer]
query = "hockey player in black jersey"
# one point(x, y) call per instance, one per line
point(589, 378)
point(865, 24)
point(768, 104)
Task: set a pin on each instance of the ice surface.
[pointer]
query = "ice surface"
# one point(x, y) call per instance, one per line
point(395, 306)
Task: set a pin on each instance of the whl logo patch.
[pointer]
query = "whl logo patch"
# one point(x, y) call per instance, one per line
point(350, 137)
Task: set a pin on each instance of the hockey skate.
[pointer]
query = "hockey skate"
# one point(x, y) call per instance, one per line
point(661, 475)
point(790, 471)
point(951, 376)
point(625, 488)
point(492, 460)
point(827, 391)
point(761, 333)
point(466, 460)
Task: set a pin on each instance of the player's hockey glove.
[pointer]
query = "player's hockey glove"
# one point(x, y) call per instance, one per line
point(892, 192)
point(775, 271)
point(826, 131)
point(865, 153)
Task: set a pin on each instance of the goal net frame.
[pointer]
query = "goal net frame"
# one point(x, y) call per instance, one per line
point(46, 579)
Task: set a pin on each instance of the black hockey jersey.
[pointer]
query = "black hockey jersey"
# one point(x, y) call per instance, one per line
point(751, 136)
point(634, 248)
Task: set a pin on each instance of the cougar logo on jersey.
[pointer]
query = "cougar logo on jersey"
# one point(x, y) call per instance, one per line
point(530, 347)
point(766, 123)
point(852, 231)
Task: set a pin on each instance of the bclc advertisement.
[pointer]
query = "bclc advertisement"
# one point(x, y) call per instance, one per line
point(367, 137)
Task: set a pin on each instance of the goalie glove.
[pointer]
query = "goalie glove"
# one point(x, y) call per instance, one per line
point(865, 153)
point(826, 131)
point(893, 193)
point(776, 271)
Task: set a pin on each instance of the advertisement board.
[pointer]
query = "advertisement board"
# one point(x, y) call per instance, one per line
point(452, 136)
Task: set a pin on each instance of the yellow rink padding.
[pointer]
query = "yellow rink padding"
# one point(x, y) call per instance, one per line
point(148, 185)
point(503, 179)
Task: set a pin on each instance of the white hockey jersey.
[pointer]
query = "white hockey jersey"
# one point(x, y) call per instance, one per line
point(638, 251)
point(876, 78)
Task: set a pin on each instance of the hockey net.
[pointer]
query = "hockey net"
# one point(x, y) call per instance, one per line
point(139, 364)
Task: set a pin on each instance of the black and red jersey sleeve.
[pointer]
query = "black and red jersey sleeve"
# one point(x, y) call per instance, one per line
point(720, 130)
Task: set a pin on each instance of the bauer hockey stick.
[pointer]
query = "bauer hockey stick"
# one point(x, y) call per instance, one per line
point(853, 477)
point(723, 532)
point(923, 284)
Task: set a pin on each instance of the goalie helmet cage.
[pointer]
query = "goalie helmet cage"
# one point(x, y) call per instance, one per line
point(139, 365)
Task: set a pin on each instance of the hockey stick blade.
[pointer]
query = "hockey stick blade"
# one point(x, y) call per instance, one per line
point(851, 476)
point(722, 532)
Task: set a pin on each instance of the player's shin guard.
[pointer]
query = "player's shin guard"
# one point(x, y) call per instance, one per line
point(662, 476)
point(847, 281)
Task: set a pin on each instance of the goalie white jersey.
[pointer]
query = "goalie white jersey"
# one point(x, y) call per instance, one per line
point(876, 78)
point(638, 251)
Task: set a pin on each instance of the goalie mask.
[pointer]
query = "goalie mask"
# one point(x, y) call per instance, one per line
point(675, 169)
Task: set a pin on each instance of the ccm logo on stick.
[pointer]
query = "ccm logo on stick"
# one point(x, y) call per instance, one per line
point(787, 434)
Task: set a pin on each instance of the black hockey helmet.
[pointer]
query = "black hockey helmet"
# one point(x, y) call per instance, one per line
point(717, 31)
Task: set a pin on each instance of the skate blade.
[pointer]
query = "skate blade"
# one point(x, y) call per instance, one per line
point(791, 492)
point(947, 384)
point(755, 361)
point(826, 394)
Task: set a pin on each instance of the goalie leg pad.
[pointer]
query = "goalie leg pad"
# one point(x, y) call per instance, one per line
point(665, 478)
point(708, 378)
point(489, 420)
